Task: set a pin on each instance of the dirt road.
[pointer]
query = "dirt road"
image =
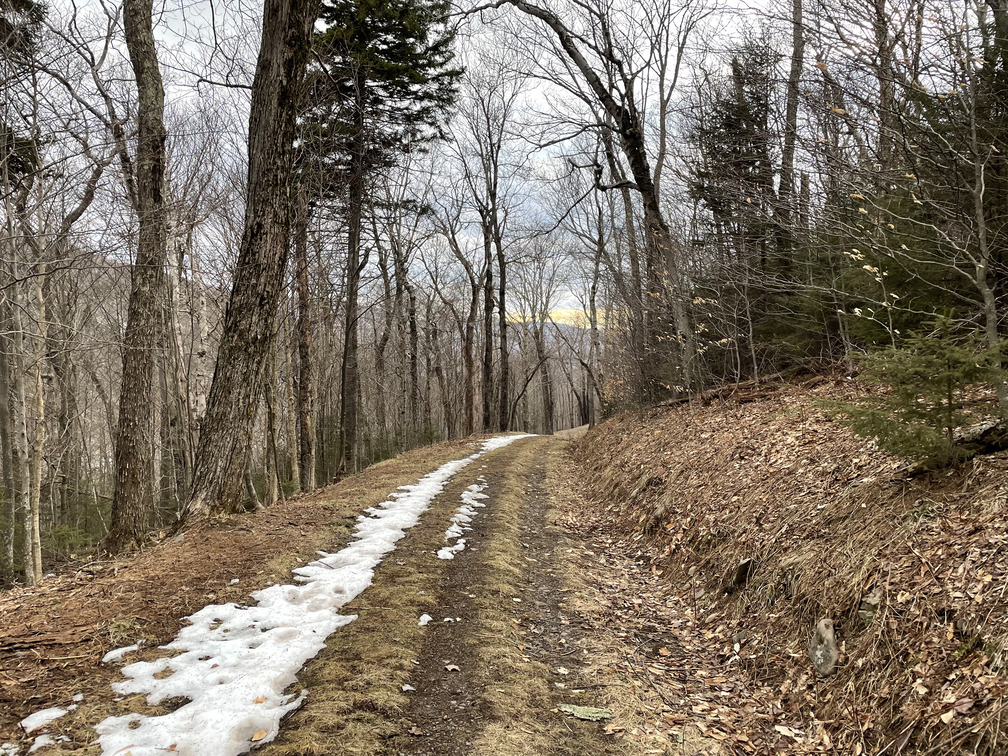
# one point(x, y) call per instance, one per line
point(477, 654)
point(501, 653)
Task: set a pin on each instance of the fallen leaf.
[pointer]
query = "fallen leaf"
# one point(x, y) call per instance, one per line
point(452, 668)
point(948, 716)
point(259, 699)
point(963, 705)
point(259, 736)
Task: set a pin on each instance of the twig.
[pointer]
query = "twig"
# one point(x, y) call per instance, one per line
point(967, 731)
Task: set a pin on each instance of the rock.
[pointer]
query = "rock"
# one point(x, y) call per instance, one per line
point(823, 649)
point(743, 572)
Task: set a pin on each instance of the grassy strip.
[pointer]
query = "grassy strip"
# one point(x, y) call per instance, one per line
point(519, 692)
point(355, 699)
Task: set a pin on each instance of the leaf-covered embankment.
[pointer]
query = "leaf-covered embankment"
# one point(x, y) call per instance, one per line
point(770, 516)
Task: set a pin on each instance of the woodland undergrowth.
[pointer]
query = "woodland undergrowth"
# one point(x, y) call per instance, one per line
point(766, 516)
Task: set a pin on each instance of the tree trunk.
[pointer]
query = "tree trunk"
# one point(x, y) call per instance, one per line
point(439, 374)
point(306, 385)
point(379, 361)
point(201, 371)
point(132, 499)
point(179, 434)
point(272, 492)
point(414, 357)
point(595, 344)
point(290, 389)
point(488, 305)
point(544, 378)
point(785, 191)
point(262, 259)
point(39, 436)
point(504, 405)
point(350, 372)
point(18, 412)
point(469, 359)
point(10, 514)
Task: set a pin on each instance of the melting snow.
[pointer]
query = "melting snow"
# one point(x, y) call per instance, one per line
point(471, 500)
point(46, 740)
point(237, 663)
point(115, 653)
point(424, 619)
point(41, 718)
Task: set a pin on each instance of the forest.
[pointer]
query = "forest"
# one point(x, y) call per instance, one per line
point(247, 251)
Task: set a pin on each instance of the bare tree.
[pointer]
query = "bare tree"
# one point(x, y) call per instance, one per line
point(249, 319)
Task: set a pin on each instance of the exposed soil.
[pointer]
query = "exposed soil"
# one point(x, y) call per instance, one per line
point(451, 709)
point(448, 708)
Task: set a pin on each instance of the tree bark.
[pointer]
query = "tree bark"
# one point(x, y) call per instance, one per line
point(33, 547)
point(350, 369)
point(290, 388)
point(262, 259)
point(488, 306)
point(10, 514)
point(18, 412)
point(272, 485)
point(504, 404)
point(201, 369)
point(132, 499)
point(305, 385)
point(544, 377)
point(785, 191)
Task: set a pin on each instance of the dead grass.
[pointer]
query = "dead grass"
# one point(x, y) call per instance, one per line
point(355, 698)
point(525, 721)
point(53, 637)
point(829, 522)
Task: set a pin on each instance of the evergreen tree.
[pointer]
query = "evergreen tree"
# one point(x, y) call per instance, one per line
point(733, 176)
point(20, 23)
point(925, 397)
point(383, 86)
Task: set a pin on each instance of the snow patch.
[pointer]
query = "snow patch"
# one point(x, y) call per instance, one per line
point(237, 663)
point(41, 718)
point(471, 501)
point(116, 653)
point(47, 740)
point(9, 749)
point(424, 619)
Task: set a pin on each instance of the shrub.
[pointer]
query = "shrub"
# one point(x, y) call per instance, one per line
point(925, 398)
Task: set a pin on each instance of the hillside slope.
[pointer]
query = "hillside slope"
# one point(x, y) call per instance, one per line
point(765, 517)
